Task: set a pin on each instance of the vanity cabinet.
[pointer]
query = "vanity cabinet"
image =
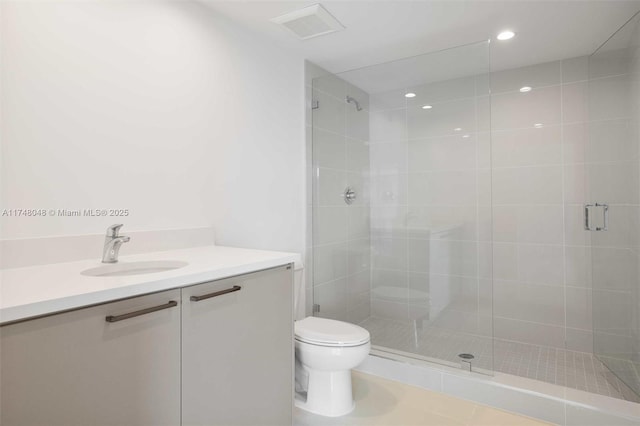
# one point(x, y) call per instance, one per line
point(217, 353)
point(237, 350)
point(78, 369)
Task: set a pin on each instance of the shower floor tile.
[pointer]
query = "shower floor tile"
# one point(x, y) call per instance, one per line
point(577, 370)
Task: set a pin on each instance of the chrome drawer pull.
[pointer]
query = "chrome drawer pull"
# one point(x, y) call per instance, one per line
point(115, 318)
point(215, 294)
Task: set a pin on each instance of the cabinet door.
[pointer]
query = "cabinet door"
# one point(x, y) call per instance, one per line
point(237, 351)
point(77, 369)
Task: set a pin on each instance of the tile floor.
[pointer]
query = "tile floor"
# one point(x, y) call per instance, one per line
point(577, 370)
point(385, 402)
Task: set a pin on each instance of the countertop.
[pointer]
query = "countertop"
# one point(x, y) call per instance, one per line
point(44, 289)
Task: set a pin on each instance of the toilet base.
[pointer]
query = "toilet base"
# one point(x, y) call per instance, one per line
point(329, 393)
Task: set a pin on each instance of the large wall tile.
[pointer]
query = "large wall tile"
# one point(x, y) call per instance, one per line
point(330, 187)
point(536, 303)
point(454, 258)
point(574, 184)
point(330, 262)
point(388, 125)
point(388, 158)
point(443, 91)
point(442, 119)
point(574, 102)
point(358, 222)
point(388, 220)
point(389, 189)
point(358, 155)
point(522, 110)
point(578, 266)
point(331, 116)
point(613, 311)
point(357, 122)
point(614, 268)
point(442, 222)
point(578, 300)
point(389, 253)
point(418, 255)
point(329, 224)
point(611, 141)
point(575, 139)
point(388, 278)
point(526, 147)
point(505, 261)
point(392, 99)
point(449, 188)
point(580, 340)
point(528, 185)
point(388, 309)
point(575, 69)
point(359, 257)
point(539, 75)
point(609, 98)
point(539, 224)
point(617, 183)
point(540, 264)
point(444, 153)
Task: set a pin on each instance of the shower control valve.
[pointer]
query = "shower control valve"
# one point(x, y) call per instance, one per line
point(349, 195)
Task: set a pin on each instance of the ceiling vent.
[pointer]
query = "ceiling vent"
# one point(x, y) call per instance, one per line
point(309, 22)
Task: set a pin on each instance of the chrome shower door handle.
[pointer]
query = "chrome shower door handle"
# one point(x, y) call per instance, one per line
point(587, 225)
point(605, 217)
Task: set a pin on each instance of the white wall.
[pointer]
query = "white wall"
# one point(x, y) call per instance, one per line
point(159, 107)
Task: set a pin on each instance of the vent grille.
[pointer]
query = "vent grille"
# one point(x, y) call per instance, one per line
point(309, 22)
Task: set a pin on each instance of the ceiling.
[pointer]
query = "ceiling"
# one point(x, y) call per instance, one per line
point(381, 31)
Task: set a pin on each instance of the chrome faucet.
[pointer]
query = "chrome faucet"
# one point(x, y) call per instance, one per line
point(112, 243)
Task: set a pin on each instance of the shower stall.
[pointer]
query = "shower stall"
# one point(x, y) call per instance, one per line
point(485, 219)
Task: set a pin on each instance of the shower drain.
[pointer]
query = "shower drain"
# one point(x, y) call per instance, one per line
point(466, 356)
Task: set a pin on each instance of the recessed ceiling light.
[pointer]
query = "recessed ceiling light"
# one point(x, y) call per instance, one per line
point(457, 129)
point(410, 95)
point(466, 136)
point(525, 89)
point(426, 107)
point(537, 125)
point(506, 35)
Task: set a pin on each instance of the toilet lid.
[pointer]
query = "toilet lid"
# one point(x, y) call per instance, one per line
point(327, 332)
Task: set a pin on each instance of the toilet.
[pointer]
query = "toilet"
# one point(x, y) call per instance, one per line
point(326, 351)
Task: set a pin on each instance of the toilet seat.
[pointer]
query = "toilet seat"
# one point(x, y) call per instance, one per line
point(327, 332)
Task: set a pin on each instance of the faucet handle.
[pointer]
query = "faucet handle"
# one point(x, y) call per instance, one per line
point(113, 230)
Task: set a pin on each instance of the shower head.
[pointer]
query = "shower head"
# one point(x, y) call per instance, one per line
point(354, 101)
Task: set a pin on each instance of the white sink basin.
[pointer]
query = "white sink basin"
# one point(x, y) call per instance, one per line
point(134, 268)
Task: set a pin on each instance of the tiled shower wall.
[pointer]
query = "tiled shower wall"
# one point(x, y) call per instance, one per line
point(542, 289)
point(339, 281)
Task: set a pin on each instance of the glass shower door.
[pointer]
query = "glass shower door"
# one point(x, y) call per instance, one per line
point(613, 212)
point(402, 205)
